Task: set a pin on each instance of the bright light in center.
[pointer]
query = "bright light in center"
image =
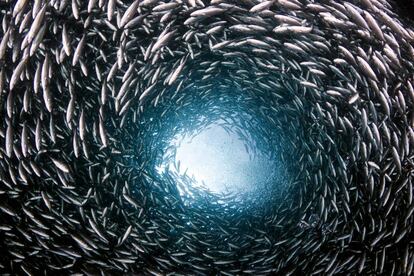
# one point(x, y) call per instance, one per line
point(220, 160)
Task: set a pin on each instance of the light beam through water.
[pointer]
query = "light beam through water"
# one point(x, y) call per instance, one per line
point(220, 160)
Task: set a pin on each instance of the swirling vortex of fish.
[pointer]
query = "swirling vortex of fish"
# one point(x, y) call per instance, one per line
point(92, 92)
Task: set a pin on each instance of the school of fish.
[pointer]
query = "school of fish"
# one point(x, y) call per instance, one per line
point(92, 91)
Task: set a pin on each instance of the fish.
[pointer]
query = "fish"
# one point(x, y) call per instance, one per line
point(66, 40)
point(129, 13)
point(96, 95)
point(36, 24)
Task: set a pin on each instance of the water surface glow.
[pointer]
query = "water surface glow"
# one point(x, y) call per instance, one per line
point(218, 160)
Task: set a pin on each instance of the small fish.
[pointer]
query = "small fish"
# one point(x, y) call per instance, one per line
point(95, 93)
point(60, 165)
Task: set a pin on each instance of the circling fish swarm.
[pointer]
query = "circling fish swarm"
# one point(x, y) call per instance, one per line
point(89, 96)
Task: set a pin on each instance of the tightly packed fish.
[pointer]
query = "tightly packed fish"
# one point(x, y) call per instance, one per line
point(91, 92)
